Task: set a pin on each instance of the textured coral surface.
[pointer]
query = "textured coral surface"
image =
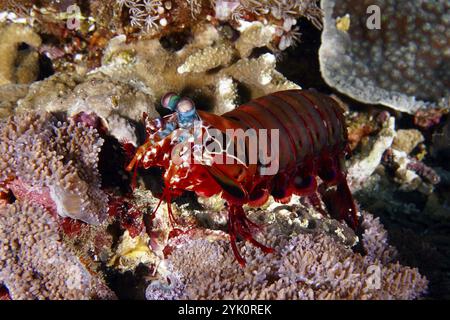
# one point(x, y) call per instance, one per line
point(58, 160)
point(35, 264)
point(304, 266)
point(72, 225)
point(403, 64)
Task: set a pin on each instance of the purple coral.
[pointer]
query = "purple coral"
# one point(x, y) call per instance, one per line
point(35, 264)
point(391, 160)
point(53, 163)
point(304, 266)
point(424, 171)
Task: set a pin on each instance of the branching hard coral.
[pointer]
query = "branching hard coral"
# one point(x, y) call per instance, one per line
point(306, 266)
point(131, 81)
point(254, 35)
point(134, 76)
point(207, 59)
point(54, 164)
point(402, 63)
point(266, 80)
point(227, 95)
point(35, 264)
point(375, 240)
point(18, 66)
point(197, 69)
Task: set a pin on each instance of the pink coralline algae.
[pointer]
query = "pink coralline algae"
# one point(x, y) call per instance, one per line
point(390, 160)
point(429, 118)
point(54, 164)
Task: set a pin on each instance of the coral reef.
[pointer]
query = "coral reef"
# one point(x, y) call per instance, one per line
point(18, 66)
point(92, 24)
point(364, 164)
point(53, 163)
point(416, 215)
point(10, 94)
point(360, 126)
point(407, 140)
point(131, 252)
point(428, 118)
point(162, 71)
point(207, 59)
point(410, 173)
point(408, 190)
point(35, 264)
point(154, 17)
point(71, 104)
point(403, 63)
point(134, 77)
point(254, 35)
point(114, 102)
point(60, 21)
point(306, 266)
point(390, 149)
